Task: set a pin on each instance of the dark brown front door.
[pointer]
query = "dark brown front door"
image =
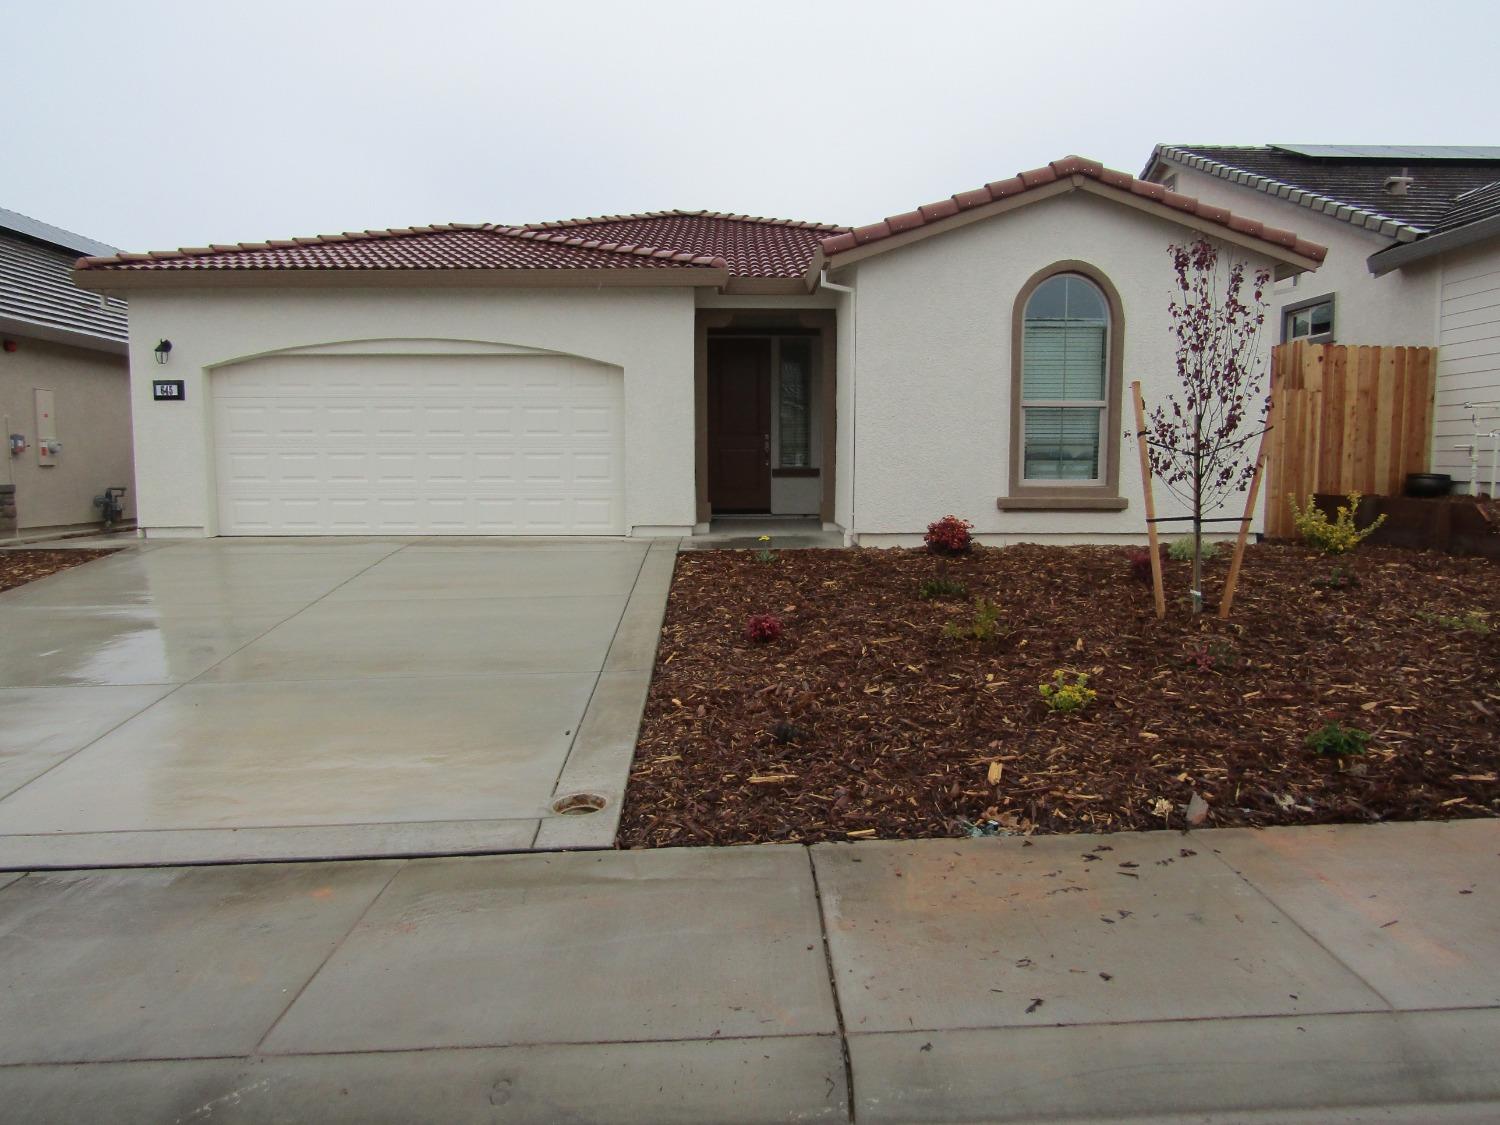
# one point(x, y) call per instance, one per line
point(739, 425)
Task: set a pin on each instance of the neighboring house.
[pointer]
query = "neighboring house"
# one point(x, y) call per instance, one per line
point(643, 374)
point(1413, 237)
point(64, 382)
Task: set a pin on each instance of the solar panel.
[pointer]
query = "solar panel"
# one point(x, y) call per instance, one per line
point(1395, 152)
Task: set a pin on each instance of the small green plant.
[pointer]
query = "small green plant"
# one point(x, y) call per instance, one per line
point(1062, 695)
point(984, 626)
point(1181, 550)
point(765, 554)
point(1331, 537)
point(936, 589)
point(1474, 621)
point(786, 733)
point(1336, 579)
point(1335, 740)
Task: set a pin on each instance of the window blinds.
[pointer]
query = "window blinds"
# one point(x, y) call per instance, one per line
point(1063, 361)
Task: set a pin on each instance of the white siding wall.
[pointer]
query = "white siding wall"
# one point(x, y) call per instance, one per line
point(646, 332)
point(1469, 362)
point(1393, 310)
point(933, 338)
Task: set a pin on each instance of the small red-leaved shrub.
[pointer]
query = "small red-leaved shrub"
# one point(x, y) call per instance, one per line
point(948, 536)
point(1140, 563)
point(762, 627)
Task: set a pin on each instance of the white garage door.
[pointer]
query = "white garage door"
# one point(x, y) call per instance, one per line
point(420, 445)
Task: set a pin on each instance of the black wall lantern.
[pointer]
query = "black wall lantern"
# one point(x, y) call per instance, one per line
point(163, 349)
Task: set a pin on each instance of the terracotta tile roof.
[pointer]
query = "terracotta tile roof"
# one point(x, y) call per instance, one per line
point(751, 245)
point(469, 246)
point(1123, 182)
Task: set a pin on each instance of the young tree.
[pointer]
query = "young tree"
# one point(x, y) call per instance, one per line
point(1200, 440)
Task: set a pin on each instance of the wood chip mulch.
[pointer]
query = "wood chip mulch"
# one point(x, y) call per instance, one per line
point(862, 721)
point(19, 566)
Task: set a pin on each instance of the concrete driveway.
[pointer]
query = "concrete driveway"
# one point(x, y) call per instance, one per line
point(232, 699)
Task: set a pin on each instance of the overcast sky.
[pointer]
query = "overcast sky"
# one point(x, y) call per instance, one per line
point(154, 125)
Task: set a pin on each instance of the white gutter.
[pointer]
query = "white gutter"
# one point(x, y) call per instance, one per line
point(850, 535)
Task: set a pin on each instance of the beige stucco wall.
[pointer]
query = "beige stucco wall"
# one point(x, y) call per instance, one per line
point(92, 414)
point(647, 332)
point(931, 402)
point(1394, 310)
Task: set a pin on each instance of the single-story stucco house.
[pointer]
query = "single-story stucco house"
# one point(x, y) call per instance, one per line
point(641, 374)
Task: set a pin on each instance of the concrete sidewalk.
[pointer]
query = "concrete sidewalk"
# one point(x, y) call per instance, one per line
point(1318, 974)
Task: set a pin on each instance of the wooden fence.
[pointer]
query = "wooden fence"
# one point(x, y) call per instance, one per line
point(1348, 419)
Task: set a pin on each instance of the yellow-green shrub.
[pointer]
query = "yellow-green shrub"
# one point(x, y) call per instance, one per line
point(1060, 695)
point(1332, 537)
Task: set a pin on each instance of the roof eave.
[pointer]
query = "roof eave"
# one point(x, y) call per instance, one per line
point(1155, 159)
point(1404, 254)
point(52, 333)
point(765, 286)
point(119, 280)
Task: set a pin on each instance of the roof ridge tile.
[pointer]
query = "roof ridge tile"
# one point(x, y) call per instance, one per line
point(707, 260)
point(638, 216)
point(1056, 171)
point(90, 261)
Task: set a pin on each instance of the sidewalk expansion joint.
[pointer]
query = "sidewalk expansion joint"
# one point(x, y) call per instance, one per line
point(833, 987)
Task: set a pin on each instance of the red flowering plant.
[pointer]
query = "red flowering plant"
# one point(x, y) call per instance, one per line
point(949, 536)
point(762, 628)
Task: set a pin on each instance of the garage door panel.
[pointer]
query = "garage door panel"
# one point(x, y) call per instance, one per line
point(343, 420)
point(420, 445)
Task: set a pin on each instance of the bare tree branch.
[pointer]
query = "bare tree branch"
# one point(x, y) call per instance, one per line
point(1197, 440)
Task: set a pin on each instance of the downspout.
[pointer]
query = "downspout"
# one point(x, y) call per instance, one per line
point(850, 534)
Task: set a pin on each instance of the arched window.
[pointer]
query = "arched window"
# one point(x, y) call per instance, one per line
point(1064, 380)
point(1066, 390)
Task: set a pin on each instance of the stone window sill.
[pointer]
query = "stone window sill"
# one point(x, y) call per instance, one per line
point(1062, 503)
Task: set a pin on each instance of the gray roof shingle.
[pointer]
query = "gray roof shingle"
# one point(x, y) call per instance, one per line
point(1358, 182)
point(1471, 207)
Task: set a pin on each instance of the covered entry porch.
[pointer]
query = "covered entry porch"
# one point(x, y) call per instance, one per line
point(764, 398)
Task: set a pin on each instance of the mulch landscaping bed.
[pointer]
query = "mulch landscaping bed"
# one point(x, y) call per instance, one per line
point(21, 566)
point(862, 721)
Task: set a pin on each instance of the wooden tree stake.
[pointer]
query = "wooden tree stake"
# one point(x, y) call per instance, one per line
point(1239, 547)
point(1140, 442)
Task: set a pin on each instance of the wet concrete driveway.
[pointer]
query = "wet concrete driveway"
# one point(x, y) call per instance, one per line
point(231, 699)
